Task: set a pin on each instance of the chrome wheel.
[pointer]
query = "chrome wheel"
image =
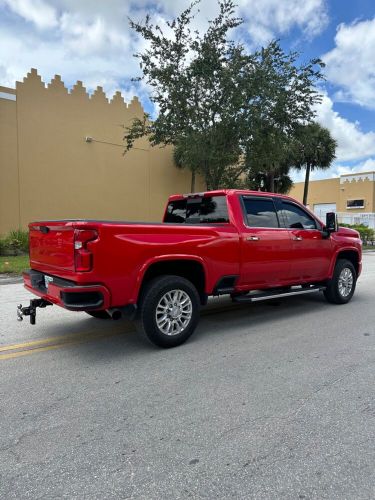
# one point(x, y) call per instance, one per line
point(345, 282)
point(174, 312)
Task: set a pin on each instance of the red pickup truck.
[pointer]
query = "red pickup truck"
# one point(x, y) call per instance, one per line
point(250, 245)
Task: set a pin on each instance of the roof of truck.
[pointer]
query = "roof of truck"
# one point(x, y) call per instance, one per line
point(221, 192)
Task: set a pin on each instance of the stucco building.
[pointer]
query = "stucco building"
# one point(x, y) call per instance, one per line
point(351, 196)
point(61, 156)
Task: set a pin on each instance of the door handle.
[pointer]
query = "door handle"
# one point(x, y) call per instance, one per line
point(297, 238)
point(253, 238)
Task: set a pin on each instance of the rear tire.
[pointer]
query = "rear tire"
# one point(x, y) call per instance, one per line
point(340, 288)
point(98, 314)
point(169, 310)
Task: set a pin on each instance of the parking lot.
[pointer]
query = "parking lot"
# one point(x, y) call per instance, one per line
point(265, 401)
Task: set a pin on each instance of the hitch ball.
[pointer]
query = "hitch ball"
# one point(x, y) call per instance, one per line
point(19, 313)
point(31, 309)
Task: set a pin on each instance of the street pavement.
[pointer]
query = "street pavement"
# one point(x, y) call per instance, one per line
point(265, 401)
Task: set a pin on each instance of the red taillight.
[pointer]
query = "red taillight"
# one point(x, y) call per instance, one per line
point(82, 255)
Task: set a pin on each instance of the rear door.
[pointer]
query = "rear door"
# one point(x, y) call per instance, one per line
point(52, 245)
point(311, 252)
point(265, 245)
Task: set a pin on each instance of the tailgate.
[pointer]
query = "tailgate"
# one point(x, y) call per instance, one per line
point(52, 245)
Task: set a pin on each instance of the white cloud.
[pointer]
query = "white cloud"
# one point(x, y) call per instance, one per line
point(84, 37)
point(36, 11)
point(366, 166)
point(353, 143)
point(86, 40)
point(89, 44)
point(350, 65)
point(336, 170)
point(269, 18)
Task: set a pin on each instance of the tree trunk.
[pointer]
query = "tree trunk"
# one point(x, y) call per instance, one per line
point(306, 187)
point(208, 177)
point(272, 182)
point(192, 190)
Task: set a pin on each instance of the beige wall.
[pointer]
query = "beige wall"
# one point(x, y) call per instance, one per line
point(339, 190)
point(325, 191)
point(9, 200)
point(357, 186)
point(63, 176)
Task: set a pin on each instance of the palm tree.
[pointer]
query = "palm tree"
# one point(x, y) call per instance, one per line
point(314, 148)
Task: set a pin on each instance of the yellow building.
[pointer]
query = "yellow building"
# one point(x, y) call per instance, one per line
point(351, 196)
point(61, 156)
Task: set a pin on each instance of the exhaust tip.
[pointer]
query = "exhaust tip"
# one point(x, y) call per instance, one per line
point(115, 314)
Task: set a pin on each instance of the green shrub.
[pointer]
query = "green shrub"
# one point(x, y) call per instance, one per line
point(2, 246)
point(16, 242)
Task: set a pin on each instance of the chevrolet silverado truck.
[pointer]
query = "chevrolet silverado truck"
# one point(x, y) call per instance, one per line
point(247, 244)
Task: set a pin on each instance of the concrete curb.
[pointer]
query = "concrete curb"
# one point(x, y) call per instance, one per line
point(10, 280)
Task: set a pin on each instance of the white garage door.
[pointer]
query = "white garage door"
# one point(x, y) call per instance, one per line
point(320, 209)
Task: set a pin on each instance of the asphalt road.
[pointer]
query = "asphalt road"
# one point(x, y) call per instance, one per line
point(264, 402)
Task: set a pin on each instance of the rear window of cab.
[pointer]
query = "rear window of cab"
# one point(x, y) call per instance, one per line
point(198, 210)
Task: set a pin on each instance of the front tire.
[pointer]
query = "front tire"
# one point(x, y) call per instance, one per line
point(169, 310)
point(340, 288)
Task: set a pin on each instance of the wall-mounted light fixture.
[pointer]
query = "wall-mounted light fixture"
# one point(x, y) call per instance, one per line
point(88, 138)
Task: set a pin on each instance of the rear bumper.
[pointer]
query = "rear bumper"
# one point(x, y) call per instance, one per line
point(66, 293)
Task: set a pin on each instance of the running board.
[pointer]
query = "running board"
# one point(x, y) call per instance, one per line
point(275, 294)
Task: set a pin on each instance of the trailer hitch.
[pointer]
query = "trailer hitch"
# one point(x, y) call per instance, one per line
point(31, 309)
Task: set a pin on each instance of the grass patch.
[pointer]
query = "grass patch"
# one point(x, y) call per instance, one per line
point(368, 247)
point(14, 264)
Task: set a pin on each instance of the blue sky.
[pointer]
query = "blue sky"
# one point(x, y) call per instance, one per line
point(91, 41)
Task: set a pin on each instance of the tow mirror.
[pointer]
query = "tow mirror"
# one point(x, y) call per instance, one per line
point(331, 222)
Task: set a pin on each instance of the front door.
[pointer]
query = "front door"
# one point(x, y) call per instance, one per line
point(311, 252)
point(265, 245)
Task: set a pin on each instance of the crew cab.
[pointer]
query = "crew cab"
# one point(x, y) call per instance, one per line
point(248, 244)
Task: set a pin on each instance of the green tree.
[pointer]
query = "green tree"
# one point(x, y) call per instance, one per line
point(314, 148)
point(196, 86)
point(213, 98)
point(268, 161)
point(284, 95)
point(213, 152)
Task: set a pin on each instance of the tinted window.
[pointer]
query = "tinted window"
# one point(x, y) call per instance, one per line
point(176, 211)
point(198, 210)
point(296, 217)
point(260, 212)
point(214, 209)
point(355, 203)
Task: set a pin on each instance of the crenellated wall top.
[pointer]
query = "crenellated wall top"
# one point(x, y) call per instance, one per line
point(358, 177)
point(78, 91)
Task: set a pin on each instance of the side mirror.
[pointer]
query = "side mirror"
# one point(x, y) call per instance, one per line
point(331, 222)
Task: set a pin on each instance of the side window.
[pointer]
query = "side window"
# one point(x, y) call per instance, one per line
point(260, 212)
point(214, 209)
point(295, 217)
point(198, 210)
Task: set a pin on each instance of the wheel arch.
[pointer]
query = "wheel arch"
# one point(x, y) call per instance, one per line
point(349, 254)
point(190, 268)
